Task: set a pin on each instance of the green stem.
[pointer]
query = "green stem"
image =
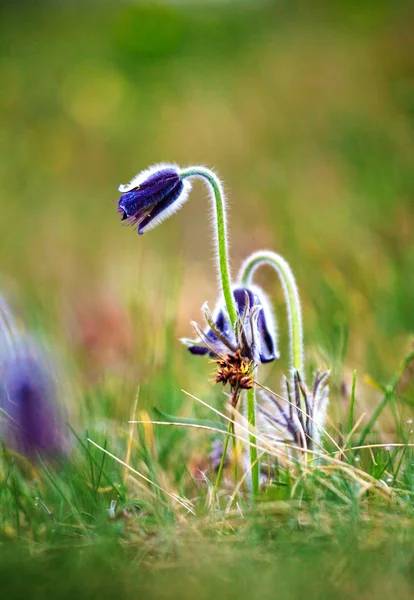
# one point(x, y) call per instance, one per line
point(221, 231)
point(290, 290)
point(389, 394)
point(352, 404)
point(291, 293)
point(230, 430)
point(235, 456)
point(254, 462)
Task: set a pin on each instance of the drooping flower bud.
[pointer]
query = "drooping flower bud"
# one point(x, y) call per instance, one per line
point(152, 196)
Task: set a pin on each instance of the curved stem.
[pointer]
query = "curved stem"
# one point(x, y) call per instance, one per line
point(266, 257)
point(219, 202)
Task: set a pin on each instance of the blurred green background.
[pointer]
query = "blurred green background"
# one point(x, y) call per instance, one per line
point(306, 111)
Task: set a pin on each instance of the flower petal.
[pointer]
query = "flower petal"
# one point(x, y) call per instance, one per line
point(198, 350)
point(240, 298)
point(152, 196)
point(161, 209)
point(268, 351)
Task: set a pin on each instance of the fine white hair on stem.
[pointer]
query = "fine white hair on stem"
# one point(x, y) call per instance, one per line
point(290, 290)
point(219, 221)
point(198, 172)
point(206, 175)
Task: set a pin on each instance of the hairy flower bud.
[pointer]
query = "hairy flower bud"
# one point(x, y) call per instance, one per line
point(152, 196)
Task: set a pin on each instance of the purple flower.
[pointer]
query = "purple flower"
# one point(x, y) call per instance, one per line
point(152, 196)
point(255, 335)
point(31, 421)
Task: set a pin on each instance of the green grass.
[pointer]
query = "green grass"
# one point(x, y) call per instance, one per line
point(307, 116)
point(328, 526)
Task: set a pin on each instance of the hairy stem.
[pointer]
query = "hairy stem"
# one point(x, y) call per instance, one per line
point(221, 232)
point(266, 257)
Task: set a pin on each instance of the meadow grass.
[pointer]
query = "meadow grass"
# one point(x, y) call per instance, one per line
point(118, 517)
point(329, 148)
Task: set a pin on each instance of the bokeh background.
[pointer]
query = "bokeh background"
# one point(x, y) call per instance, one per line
point(306, 111)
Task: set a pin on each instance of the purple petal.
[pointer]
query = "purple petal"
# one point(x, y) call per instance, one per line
point(198, 350)
point(240, 298)
point(161, 205)
point(153, 190)
point(267, 344)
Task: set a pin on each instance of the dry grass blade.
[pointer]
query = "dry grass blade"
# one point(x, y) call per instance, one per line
point(208, 428)
point(174, 497)
point(364, 479)
point(350, 434)
point(272, 447)
point(370, 446)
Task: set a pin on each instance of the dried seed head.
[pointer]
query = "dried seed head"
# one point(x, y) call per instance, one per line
point(236, 371)
point(254, 335)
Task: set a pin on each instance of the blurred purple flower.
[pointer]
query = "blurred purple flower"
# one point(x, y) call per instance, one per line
point(31, 421)
point(152, 196)
point(255, 335)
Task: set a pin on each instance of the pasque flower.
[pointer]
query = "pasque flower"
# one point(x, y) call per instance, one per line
point(254, 336)
point(31, 419)
point(158, 192)
point(152, 196)
point(241, 334)
point(238, 350)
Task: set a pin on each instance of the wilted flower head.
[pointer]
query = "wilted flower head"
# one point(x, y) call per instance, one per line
point(152, 196)
point(31, 420)
point(255, 335)
point(289, 420)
